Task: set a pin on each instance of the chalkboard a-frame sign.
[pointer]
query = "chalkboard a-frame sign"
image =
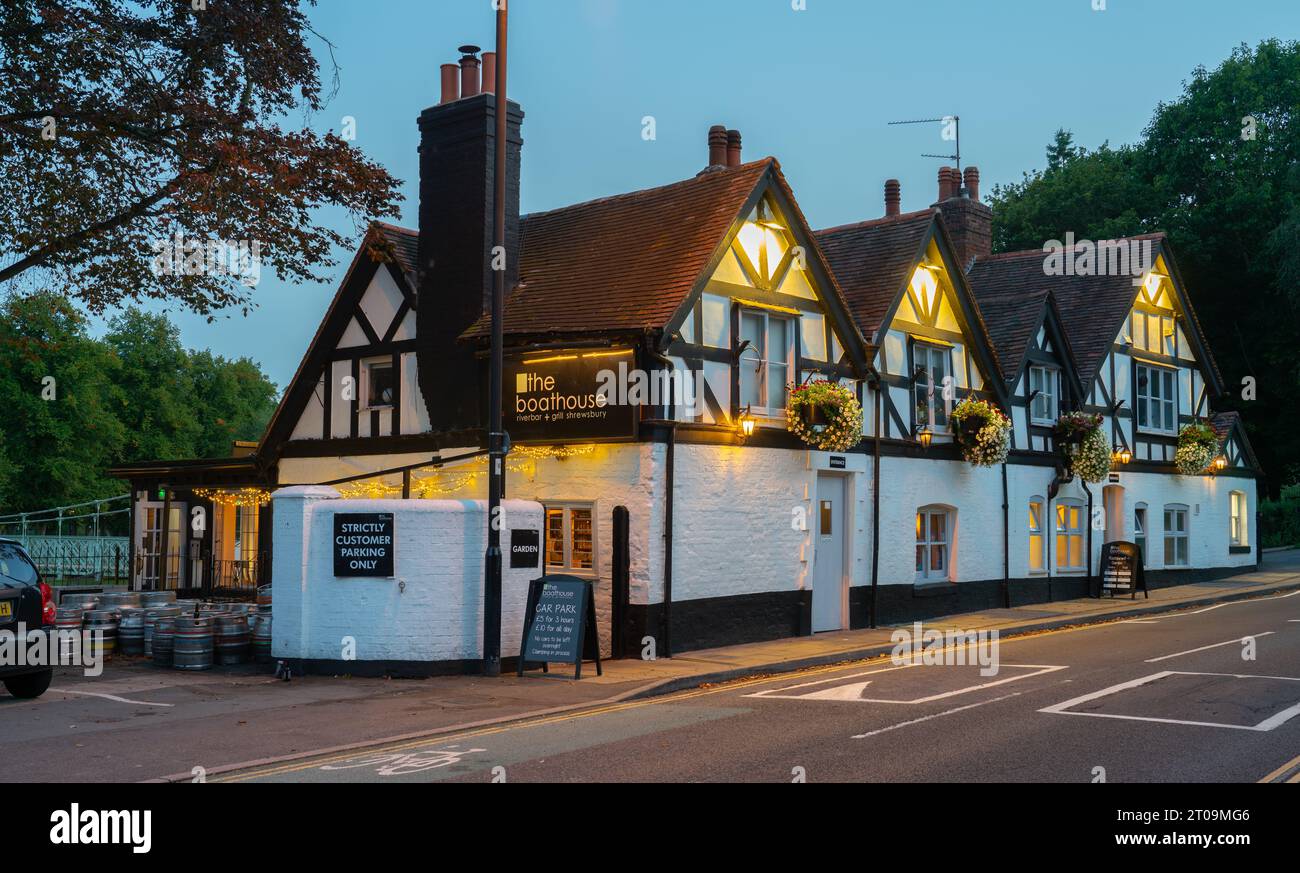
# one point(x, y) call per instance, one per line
point(1122, 571)
point(560, 624)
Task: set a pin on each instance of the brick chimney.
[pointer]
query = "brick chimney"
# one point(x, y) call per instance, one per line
point(969, 222)
point(718, 146)
point(457, 141)
point(733, 148)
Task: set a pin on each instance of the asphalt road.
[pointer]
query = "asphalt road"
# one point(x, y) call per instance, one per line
point(1177, 697)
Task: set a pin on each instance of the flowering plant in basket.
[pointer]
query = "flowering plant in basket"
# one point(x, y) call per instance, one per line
point(982, 431)
point(1084, 445)
point(825, 415)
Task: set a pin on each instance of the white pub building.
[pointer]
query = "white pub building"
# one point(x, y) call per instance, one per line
point(706, 518)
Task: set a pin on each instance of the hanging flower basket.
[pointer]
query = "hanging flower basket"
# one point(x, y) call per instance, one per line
point(1083, 444)
point(1197, 446)
point(982, 432)
point(825, 415)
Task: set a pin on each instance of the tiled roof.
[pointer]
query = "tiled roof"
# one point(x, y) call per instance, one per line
point(872, 261)
point(1093, 308)
point(625, 262)
point(1222, 423)
point(1011, 317)
point(405, 246)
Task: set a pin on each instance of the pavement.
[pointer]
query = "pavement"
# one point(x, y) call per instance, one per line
point(136, 722)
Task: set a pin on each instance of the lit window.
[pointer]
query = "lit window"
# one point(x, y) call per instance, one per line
point(1069, 535)
point(764, 241)
point(933, 544)
point(1044, 380)
point(570, 538)
point(1037, 555)
point(930, 366)
point(1176, 536)
point(1156, 399)
point(765, 370)
point(1237, 524)
point(381, 384)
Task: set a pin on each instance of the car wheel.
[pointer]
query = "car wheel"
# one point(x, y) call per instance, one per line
point(31, 685)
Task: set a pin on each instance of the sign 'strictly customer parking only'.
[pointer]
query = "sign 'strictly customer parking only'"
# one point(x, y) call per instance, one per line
point(363, 544)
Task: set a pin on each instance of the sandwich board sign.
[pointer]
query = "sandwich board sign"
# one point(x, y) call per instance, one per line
point(1121, 570)
point(560, 624)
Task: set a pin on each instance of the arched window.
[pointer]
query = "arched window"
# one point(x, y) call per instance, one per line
point(1037, 535)
point(934, 543)
point(1069, 535)
point(1238, 531)
point(1175, 529)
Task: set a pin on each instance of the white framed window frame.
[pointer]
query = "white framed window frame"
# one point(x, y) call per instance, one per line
point(928, 404)
point(1140, 524)
point(368, 366)
point(1047, 382)
point(935, 528)
point(1177, 539)
point(767, 371)
point(1037, 554)
point(572, 514)
point(1238, 526)
point(1155, 390)
point(1069, 536)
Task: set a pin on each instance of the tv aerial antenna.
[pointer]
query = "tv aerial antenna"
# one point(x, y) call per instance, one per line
point(955, 121)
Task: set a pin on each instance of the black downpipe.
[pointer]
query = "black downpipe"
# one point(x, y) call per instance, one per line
point(671, 424)
point(1006, 541)
point(1089, 490)
point(875, 506)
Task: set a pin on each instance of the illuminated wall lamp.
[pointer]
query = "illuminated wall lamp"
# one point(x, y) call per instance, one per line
point(1121, 455)
point(924, 436)
point(1220, 463)
point(746, 423)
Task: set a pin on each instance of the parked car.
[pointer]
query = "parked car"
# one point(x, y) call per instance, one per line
point(24, 599)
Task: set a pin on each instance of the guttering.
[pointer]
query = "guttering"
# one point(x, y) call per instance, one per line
point(1089, 492)
point(875, 385)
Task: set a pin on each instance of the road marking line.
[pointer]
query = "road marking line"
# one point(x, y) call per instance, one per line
point(1237, 641)
point(1266, 725)
point(1294, 762)
point(934, 715)
point(727, 687)
point(846, 693)
point(1141, 621)
point(112, 697)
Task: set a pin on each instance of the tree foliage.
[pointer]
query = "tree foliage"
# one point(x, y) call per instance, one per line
point(75, 405)
point(1217, 169)
point(124, 124)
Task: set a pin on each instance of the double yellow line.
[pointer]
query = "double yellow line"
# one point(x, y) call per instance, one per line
point(1289, 769)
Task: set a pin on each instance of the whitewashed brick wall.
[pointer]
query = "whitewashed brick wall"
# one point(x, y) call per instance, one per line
point(436, 615)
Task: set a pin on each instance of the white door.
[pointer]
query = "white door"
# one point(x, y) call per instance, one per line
point(828, 561)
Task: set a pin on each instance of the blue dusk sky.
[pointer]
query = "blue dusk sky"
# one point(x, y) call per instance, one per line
point(814, 87)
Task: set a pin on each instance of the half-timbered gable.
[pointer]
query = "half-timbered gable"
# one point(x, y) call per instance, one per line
point(911, 301)
point(358, 378)
point(1143, 360)
point(1027, 333)
point(720, 272)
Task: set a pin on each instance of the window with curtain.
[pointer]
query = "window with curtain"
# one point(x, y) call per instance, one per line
point(1069, 535)
point(1037, 540)
point(1237, 519)
point(1044, 380)
point(1157, 400)
point(933, 543)
point(765, 364)
point(930, 365)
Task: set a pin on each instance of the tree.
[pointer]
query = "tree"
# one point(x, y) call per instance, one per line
point(124, 125)
point(1218, 169)
point(232, 400)
point(1062, 150)
point(152, 387)
point(58, 430)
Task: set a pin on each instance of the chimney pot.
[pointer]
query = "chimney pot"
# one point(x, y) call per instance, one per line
point(717, 146)
point(489, 72)
point(893, 195)
point(973, 182)
point(450, 83)
point(469, 71)
point(943, 184)
point(733, 148)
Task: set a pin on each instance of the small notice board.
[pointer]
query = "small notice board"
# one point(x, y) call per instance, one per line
point(363, 544)
point(560, 624)
point(1121, 570)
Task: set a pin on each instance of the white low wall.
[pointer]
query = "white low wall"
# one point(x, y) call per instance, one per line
point(432, 608)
